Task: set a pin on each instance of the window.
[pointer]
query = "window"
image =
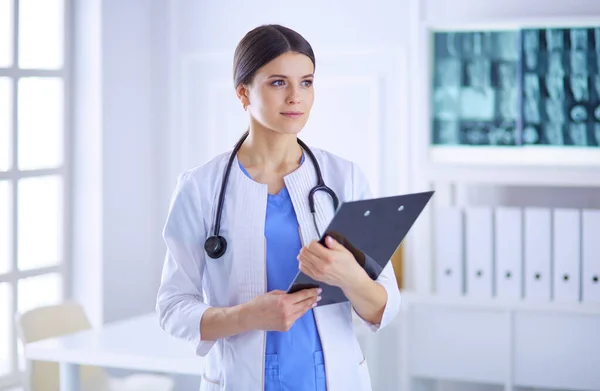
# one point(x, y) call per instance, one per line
point(33, 165)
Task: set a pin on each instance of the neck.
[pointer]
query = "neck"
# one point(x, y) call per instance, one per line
point(266, 148)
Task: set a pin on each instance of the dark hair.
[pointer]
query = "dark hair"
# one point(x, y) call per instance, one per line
point(261, 45)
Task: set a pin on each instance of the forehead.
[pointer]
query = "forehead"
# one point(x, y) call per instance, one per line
point(288, 64)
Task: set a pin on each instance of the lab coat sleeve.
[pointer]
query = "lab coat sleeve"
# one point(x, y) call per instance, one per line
point(180, 303)
point(387, 278)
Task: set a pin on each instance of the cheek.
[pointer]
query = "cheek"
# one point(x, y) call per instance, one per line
point(310, 98)
point(266, 102)
point(272, 101)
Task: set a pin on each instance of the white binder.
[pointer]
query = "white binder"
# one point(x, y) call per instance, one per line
point(509, 252)
point(566, 241)
point(590, 255)
point(479, 252)
point(537, 254)
point(449, 253)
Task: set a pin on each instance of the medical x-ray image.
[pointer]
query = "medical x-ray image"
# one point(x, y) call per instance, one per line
point(521, 87)
point(475, 88)
point(560, 86)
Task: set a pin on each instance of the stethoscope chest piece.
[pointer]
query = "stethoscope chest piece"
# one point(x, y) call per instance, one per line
point(215, 246)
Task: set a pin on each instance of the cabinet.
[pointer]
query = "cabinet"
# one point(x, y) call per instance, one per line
point(510, 344)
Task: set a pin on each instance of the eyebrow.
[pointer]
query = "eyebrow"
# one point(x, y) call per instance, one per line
point(285, 77)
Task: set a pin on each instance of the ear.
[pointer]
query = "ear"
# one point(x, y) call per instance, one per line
point(242, 94)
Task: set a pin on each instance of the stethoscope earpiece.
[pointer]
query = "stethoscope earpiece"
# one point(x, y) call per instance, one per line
point(215, 246)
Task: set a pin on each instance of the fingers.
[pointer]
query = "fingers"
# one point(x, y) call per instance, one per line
point(332, 243)
point(304, 294)
point(308, 303)
point(278, 292)
point(317, 249)
point(309, 256)
point(300, 308)
point(309, 268)
point(304, 300)
point(310, 263)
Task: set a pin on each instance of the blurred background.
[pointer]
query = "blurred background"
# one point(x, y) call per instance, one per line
point(493, 104)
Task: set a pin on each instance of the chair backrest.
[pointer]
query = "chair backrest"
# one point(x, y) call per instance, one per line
point(48, 322)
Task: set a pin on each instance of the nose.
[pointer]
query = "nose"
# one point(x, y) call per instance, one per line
point(293, 96)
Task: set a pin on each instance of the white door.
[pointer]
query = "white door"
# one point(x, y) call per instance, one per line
point(358, 112)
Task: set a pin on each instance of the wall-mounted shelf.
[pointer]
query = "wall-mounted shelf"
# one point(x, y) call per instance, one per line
point(543, 156)
point(527, 166)
point(496, 304)
point(511, 176)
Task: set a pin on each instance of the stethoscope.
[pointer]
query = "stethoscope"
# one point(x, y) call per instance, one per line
point(216, 245)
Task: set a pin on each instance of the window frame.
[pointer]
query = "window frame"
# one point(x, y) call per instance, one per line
point(13, 175)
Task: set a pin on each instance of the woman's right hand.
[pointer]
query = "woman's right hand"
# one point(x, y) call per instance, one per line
point(278, 310)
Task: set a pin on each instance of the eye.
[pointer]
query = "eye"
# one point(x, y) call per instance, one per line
point(307, 83)
point(278, 83)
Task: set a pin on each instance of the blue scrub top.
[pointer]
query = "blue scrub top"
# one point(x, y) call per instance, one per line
point(294, 359)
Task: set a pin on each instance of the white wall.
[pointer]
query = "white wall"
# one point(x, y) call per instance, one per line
point(120, 187)
point(117, 162)
point(331, 24)
point(86, 249)
point(131, 166)
point(212, 31)
point(467, 10)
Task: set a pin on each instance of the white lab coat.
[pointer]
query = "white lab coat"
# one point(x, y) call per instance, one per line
point(193, 282)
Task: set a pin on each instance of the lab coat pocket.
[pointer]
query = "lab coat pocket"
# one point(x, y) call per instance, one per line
point(208, 384)
point(272, 380)
point(319, 362)
point(365, 377)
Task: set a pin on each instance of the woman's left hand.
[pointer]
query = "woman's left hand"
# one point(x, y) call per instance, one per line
point(333, 265)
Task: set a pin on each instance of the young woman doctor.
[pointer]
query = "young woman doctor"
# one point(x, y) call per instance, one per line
point(241, 226)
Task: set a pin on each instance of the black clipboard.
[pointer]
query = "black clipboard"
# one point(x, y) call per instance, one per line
point(372, 230)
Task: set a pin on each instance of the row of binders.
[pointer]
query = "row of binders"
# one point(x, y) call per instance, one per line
point(537, 254)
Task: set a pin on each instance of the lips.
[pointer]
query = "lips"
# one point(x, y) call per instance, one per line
point(292, 114)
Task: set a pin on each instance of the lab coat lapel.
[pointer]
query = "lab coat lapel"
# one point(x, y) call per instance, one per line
point(249, 203)
point(299, 184)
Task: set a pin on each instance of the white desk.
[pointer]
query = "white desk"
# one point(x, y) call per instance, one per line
point(137, 344)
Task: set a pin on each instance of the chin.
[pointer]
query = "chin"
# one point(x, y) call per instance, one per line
point(288, 128)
